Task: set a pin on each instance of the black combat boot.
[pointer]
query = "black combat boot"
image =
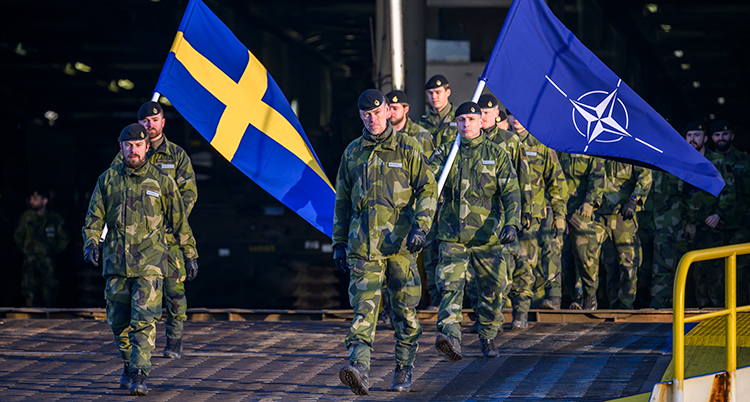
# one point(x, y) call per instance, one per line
point(138, 383)
point(589, 303)
point(552, 303)
point(488, 348)
point(449, 346)
point(173, 349)
point(125, 377)
point(356, 377)
point(520, 320)
point(401, 379)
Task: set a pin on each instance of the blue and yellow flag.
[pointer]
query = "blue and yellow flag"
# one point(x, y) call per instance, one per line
point(228, 96)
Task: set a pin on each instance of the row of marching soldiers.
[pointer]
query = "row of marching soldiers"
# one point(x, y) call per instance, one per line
point(516, 223)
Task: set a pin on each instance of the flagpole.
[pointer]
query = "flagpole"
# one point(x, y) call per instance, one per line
point(155, 97)
point(457, 143)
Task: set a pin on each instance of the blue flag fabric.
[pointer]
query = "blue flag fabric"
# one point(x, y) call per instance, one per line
point(572, 102)
point(228, 96)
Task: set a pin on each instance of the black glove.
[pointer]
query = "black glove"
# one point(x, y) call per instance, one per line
point(339, 257)
point(415, 240)
point(525, 220)
point(508, 234)
point(91, 254)
point(628, 210)
point(191, 269)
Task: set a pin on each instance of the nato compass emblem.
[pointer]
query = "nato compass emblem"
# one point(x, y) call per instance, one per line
point(601, 116)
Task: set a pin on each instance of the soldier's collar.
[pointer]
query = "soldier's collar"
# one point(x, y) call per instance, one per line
point(128, 171)
point(474, 141)
point(158, 143)
point(386, 138)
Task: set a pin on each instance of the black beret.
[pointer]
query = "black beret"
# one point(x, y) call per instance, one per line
point(695, 126)
point(396, 97)
point(487, 101)
point(370, 99)
point(501, 117)
point(149, 108)
point(720, 125)
point(468, 108)
point(40, 192)
point(133, 132)
point(436, 81)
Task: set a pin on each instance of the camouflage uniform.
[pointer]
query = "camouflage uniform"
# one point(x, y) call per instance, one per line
point(421, 135)
point(174, 161)
point(383, 189)
point(545, 181)
point(646, 229)
point(481, 197)
point(621, 248)
point(41, 239)
point(137, 205)
point(585, 178)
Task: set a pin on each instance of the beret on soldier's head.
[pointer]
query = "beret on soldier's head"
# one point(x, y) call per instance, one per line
point(695, 125)
point(468, 108)
point(501, 117)
point(133, 132)
point(436, 81)
point(370, 99)
point(487, 101)
point(721, 125)
point(396, 97)
point(149, 108)
point(42, 192)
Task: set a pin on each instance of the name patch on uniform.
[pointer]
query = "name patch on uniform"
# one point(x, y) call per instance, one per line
point(488, 162)
point(152, 193)
point(531, 153)
point(395, 164)
point(167, 165)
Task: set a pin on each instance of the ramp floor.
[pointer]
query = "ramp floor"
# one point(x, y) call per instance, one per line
point(61, 360)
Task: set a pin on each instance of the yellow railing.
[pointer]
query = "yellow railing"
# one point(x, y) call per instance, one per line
point(729, 253)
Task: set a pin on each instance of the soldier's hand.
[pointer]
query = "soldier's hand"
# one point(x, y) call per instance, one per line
point(508, 234)
point(558, 229)
point(91, 254)
point(713, 220)
point(586, 210)
point(689, 232)
point(628, 210)
point(339, 257)
point(415, 240)
point(525, 220)
point(191, 268)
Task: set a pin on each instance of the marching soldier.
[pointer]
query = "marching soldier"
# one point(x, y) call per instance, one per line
point(398, 115)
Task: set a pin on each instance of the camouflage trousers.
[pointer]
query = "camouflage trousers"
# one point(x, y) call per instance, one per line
point(38, 282)
point(621, 258)
point(708, 275)
point(547, 276)
point(366, 278)
point(645, 269)
point(743, 263)
point(491, 283)
point(431, 255)
point(174, 294)
point(133, 308)
point(522, 289)
point(585, 238)
point(669, 246)
point(510, 258)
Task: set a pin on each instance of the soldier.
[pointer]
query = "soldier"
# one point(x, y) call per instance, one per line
point(138, 202)
point(646, 231)
point(585, 178)
point(547, 186)
point(174, 161)
point(41, 236)
point(625, 191)
point(398, 115)
point(385, 201)
point(702, 226)
point(480, 212)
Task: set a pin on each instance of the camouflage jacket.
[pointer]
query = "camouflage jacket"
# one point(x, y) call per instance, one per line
point(666, 202)
point(481, 192)
point(735, 197)
point(420, 135)
point(624, 181)
point(441, 127)
point(136, 205)
point(510, 142)
point(382, 190)
point(697, 205)
point(584, 175)
point(41, 235)
point(548, 185)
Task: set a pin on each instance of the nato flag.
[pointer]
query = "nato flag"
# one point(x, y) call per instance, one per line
point(572, 102)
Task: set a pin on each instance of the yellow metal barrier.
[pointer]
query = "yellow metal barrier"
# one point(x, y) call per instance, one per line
point(729, 253)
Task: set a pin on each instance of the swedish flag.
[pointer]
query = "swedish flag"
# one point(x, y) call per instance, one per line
point(230, 98)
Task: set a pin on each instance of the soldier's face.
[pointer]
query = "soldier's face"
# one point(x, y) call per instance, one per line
point(723, 139)
point(488, 117)
point(503, 125)
point(438, 97)
point(696, 138)
point(397, 112)
point(134, 152)
point(518, 126)
point(154, 125)
point(37, 201)
point(469, 125)
point(375, 120)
